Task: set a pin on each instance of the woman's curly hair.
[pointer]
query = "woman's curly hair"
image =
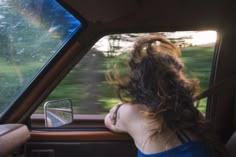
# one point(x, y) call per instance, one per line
point(156, 80)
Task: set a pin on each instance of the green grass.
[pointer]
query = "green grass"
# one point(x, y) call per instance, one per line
point(198, 61)
point(14, 77)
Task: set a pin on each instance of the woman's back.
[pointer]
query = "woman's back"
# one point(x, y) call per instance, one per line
point(132, 119)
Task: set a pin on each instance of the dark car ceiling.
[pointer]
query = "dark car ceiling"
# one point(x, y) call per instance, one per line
point(136, 14)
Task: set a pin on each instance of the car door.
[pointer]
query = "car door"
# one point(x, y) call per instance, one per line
point(58, 45)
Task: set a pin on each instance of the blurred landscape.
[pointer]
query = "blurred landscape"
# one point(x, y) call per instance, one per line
point(88, 89)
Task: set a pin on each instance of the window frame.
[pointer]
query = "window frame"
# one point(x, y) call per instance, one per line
point(95, 121)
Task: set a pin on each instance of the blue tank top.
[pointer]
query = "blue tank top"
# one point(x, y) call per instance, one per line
point(188, 148)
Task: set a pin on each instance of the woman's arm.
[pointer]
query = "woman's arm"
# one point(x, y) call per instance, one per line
point(116, 119)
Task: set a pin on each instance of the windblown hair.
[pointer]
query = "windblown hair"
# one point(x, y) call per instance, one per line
point(156, 80)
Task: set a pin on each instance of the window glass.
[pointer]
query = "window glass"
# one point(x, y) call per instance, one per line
point(31, 32)
point(86, 84)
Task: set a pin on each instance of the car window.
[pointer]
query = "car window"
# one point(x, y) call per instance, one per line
point(92, 94)
point(31, 32)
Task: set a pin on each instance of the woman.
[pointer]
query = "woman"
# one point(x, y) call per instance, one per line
point(157, 108)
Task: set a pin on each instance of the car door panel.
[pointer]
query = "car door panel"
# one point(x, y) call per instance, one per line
point(79, 143)
point(71, 135)
point(83, 149)
point(79, 120)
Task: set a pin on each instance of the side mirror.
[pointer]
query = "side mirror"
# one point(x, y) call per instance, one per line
point(58, 113)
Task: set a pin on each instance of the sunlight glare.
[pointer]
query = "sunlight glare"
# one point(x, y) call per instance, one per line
point(204, 37)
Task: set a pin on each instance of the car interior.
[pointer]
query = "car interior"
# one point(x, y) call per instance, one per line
point(87, 136)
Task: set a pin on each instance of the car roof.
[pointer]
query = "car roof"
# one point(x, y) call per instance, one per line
point(138, 15)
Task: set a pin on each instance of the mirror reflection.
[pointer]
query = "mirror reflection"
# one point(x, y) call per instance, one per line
point(58, 113)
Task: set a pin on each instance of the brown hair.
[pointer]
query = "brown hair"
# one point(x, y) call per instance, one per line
point(156, 80)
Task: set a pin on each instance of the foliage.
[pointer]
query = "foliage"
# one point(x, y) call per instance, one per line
point(86, 83)
point(31, 32)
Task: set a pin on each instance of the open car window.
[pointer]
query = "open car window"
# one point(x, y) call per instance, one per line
point(31, 33)
point(92, 95)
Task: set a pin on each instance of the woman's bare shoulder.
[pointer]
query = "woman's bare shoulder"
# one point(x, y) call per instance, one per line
point(122, 117)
